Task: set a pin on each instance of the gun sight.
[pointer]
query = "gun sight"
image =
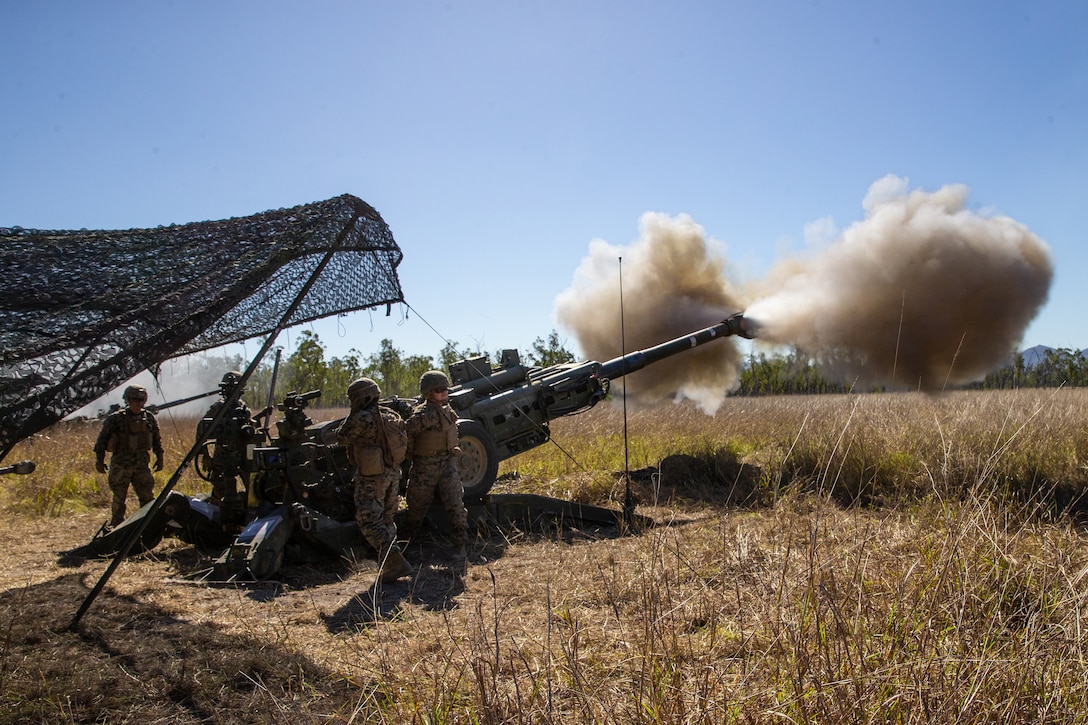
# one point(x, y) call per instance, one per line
point(297, 401)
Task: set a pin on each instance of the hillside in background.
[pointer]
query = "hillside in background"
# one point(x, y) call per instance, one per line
point(1037, 354)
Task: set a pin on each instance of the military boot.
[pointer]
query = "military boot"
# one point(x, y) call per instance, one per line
point(407, 531)
point(394, 566)
point(460, 553)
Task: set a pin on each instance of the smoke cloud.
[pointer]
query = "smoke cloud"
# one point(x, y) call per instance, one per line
point(673, 282)
point(922, 293)
point(178, 378)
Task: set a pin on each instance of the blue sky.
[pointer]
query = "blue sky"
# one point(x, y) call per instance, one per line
point(498, 139)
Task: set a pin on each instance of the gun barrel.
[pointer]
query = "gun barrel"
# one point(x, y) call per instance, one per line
point(629, 363)
point(21, 468)
point(155, 408)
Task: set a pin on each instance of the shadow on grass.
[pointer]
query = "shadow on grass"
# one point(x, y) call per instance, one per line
point(719, 478)
point(439, 578)
point(434, 588)
point(130, 660)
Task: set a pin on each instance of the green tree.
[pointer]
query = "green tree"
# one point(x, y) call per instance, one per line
point(550, 351)
point(338, 376)
point(414, 367)
point(261, 381)
point(305, 368)
point(449, 354)
point(1060, 367)
point(394, 373)
point(791, 374)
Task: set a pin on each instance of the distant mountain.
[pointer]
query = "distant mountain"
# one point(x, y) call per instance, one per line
point(1035, 355)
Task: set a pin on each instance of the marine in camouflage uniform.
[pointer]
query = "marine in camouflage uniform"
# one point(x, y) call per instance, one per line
point(432, 449)
point(235, 431)
point(374, 439)
point(129, 435)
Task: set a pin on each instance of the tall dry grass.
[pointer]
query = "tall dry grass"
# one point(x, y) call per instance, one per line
point(951, 589)
point(883, 449)
point(64, 480)
point(886, 449)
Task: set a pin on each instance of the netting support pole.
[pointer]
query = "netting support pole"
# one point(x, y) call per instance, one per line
point(228, 403)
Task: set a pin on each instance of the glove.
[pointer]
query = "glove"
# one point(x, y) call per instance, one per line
point(100, 466)
point(158, 463)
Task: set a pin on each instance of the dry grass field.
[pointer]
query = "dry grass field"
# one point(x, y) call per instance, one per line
point(876, 558)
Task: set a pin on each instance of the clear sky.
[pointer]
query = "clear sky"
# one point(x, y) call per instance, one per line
point(498, 138)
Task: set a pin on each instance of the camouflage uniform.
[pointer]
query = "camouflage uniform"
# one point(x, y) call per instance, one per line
point(375, 442)
point(228, 456)
point(129, 437)
point(432, 436)
point(376, 494)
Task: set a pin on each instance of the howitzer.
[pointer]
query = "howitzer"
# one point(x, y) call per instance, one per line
point(506, 411)
point(304, 505)
point(302, 478)
point(156, 407)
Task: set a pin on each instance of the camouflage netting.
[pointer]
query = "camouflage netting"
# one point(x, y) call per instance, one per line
point(83, 311)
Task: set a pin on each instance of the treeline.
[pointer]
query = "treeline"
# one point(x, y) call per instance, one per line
point(794, 373)
point(1061, 367)
point(396, 372)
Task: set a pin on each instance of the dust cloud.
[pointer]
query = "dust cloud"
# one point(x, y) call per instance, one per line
point(673, 282)
point(921, 294)
point(178, 378)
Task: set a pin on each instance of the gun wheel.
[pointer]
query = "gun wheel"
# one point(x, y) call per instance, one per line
point(479, 461)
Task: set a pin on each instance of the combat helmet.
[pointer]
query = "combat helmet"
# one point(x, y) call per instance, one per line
point(135, 392)
point(433, 380)
point(230, 380)
point(363, 392)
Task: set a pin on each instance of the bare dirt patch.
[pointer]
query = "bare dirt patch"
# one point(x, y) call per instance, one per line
point(316, 645)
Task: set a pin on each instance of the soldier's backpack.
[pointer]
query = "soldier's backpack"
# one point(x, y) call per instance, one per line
point(396, 435)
